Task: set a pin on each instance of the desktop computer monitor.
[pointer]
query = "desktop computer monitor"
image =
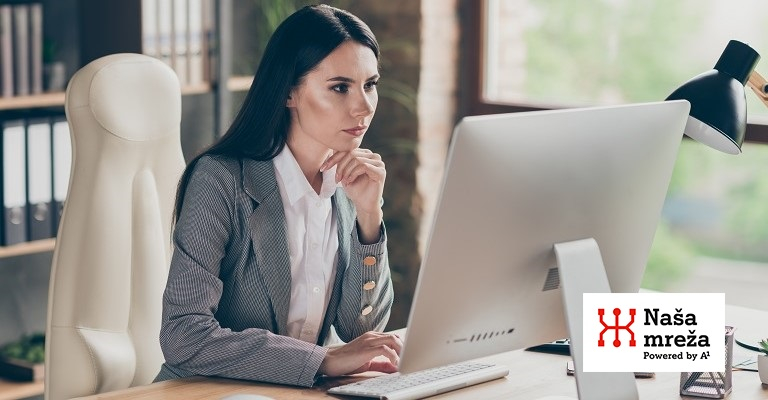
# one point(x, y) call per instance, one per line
point(517, 184)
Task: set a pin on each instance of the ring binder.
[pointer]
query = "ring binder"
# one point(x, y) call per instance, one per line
point(14, 185)
point(39, 171)
point(62, 165)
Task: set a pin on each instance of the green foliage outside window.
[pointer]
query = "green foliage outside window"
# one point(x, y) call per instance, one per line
point(612, 52)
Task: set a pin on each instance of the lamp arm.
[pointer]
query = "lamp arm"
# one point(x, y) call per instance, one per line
point(759, 85)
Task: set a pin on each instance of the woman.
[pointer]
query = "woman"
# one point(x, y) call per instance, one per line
point(278, 237)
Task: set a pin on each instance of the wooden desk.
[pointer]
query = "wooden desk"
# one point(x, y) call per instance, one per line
point(11, 390)
point(532, 375)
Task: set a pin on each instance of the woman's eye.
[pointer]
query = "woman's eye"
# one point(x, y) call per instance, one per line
point(341, 88)
point(371, 85)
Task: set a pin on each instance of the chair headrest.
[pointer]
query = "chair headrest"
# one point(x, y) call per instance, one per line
point(132, 96)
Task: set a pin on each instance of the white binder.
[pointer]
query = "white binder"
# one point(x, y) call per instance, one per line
point(62, 167)
point(40, 192)
point(14, 187)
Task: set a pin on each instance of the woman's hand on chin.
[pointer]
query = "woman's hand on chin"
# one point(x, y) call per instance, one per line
point(362, 173)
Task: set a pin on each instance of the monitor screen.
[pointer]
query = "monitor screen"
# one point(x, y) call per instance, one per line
point(516, 185)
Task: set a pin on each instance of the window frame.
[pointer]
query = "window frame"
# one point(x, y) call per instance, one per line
point(473, 74)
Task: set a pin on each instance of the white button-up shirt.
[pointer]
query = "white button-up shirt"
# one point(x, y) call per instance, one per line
point(313, 244)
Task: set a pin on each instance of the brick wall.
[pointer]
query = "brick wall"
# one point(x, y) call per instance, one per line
point(438, 98)
point(414, 120)
point(394, 135)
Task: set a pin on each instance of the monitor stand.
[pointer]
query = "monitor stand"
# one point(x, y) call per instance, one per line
point(582, 271)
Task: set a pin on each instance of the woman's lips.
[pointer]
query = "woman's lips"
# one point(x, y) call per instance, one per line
point(356, 131)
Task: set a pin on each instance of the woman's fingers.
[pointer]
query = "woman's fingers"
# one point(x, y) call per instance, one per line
point(394, 341)
point(376, 345)
point(381, 366)
point(371, 351)
point(372, 171)
point(350, 165)
point(331, 161)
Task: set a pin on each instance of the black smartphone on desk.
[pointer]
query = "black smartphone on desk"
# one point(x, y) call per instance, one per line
point(562, 347)
point(640, 375)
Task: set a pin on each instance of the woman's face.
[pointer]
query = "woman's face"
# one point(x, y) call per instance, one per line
point(334, 104)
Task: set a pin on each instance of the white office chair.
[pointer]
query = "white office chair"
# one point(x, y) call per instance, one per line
point(110, 263)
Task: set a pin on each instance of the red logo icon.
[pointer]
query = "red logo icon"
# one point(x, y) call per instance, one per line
point(616, 327)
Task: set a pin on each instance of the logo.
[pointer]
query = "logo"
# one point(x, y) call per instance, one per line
point(616, 327)
point(661, 332)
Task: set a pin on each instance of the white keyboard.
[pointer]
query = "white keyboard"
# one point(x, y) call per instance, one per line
point(421, 384)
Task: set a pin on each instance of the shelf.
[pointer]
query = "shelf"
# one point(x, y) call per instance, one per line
point(239, 83)
point(195, 88)
point(37, 246)
point(57, 99)
point(35, 101)
point(10, 390)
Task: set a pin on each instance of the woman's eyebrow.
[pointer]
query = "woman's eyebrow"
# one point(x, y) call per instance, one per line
point(350, 80)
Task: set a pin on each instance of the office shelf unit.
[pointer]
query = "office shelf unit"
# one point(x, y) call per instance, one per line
point(22, 249)
point(239, 83)
point(84, 30)
point(101, 28)
point(25, 102)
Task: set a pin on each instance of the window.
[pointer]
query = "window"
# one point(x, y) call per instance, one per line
point(551, 54)
point(713, 235)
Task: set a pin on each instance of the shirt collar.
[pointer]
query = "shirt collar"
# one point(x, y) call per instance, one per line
point(295, 183)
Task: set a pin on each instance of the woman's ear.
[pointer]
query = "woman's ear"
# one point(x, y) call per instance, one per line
point(290, 103)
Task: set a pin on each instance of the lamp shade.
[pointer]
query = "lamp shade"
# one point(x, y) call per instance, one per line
point(718, 116)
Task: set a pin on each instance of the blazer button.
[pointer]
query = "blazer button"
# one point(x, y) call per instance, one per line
point(369, 285)
point(367, 310)
point(369, 261)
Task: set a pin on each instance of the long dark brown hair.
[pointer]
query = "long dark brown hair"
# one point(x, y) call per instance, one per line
point(260, 128)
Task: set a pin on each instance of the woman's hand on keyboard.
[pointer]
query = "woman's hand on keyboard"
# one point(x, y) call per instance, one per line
point(372, 351)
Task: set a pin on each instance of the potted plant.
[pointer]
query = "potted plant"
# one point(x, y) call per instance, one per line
point(54, 70)
point(762, 362)
point(23, 359)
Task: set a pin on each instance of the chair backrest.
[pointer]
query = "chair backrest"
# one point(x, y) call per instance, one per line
point(110, 263)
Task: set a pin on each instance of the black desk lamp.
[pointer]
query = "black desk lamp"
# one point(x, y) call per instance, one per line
point(718, 115)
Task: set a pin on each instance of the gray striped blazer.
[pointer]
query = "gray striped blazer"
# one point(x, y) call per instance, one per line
point(225, 306)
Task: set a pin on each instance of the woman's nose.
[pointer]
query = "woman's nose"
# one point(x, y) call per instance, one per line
point(365, 105)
